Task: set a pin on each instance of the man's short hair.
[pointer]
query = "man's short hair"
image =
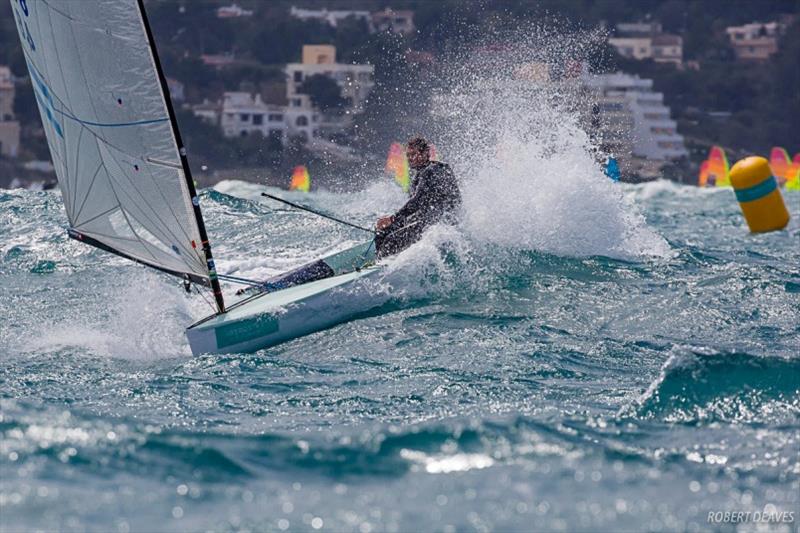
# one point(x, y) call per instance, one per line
point(419, 144)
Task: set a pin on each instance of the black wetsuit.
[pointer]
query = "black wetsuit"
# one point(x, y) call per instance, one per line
point(435, 197)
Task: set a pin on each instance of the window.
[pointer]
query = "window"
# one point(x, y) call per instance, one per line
point(302, 121)
point(275, 117)
point(258, 120)
point(244, 117)
point(243, 133)
point(298, 76)
point(297, 102)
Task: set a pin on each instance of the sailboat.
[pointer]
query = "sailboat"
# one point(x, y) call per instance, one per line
point(715, 170)
point(780, 164)
point(301, 181)
point(126, 183)
point(793, 182)
point(397, 165)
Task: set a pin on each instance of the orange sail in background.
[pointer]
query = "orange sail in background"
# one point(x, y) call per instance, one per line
point(780, 164)
point(703, 177)
point(793, 182)
point(397, 165)
point(718, 168)
point(301, 181)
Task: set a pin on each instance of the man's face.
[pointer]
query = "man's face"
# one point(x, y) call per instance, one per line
point(417, 158)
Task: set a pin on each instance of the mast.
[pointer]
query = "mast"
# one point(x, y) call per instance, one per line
point(187, 173)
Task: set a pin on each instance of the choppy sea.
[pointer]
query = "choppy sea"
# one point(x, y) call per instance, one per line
point(618, 357)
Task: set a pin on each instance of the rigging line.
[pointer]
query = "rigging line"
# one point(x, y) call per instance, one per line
point(214, 307)
point(235, 279)
point(65, 15)
point(318, 213)
point(89, 190)
point(77, 161)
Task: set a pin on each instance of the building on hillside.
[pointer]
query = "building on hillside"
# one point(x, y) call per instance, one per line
point(631, 113)
point(633, 47)
point(401, 22)
point(241, 114)
point(755, 41)
point(9, 128)
point(668, 48)
point(355, 81)
point(208, 111)
point(332, 18)
point(645, 40)
point(233, 11)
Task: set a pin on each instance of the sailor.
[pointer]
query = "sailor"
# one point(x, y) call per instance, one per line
point(435, 198)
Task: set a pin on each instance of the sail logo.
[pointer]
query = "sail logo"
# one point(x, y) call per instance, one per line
point(45, 99)
point(24, 31)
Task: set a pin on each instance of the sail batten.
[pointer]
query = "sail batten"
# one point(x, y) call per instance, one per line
point(120, 164)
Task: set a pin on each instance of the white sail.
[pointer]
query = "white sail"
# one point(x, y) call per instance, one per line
point(109, 131)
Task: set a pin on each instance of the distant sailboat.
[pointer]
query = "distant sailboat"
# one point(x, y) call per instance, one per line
point(702, 178)
point(301, 181)
point(793, 181)
point(126, 183)
point(780, 164)
point(397, 165)
point(717, 169)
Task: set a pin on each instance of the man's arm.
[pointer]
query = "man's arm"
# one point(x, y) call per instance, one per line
point(415, 204)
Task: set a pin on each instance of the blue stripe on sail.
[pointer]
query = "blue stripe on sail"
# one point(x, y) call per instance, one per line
point(757, 192)
point(112, 124)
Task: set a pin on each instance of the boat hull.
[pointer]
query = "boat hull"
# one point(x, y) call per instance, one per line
point(271, 318)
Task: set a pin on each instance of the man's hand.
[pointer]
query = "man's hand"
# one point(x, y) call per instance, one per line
point(383, 222)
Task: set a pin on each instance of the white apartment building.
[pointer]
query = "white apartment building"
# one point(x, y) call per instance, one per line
point(653, 134)
point(242, 114)
point(355, 81)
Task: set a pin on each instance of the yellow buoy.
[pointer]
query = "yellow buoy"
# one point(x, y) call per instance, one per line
point(758, 195)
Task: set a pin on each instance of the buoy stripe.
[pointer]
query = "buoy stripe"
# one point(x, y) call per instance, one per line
point(756, 192)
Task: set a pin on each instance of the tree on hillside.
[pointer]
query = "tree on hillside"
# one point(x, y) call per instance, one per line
point(324, 92)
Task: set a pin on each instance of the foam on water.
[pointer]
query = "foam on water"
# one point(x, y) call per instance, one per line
point(143, 318)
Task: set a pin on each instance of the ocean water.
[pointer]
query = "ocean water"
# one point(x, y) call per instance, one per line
point(574, 356)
